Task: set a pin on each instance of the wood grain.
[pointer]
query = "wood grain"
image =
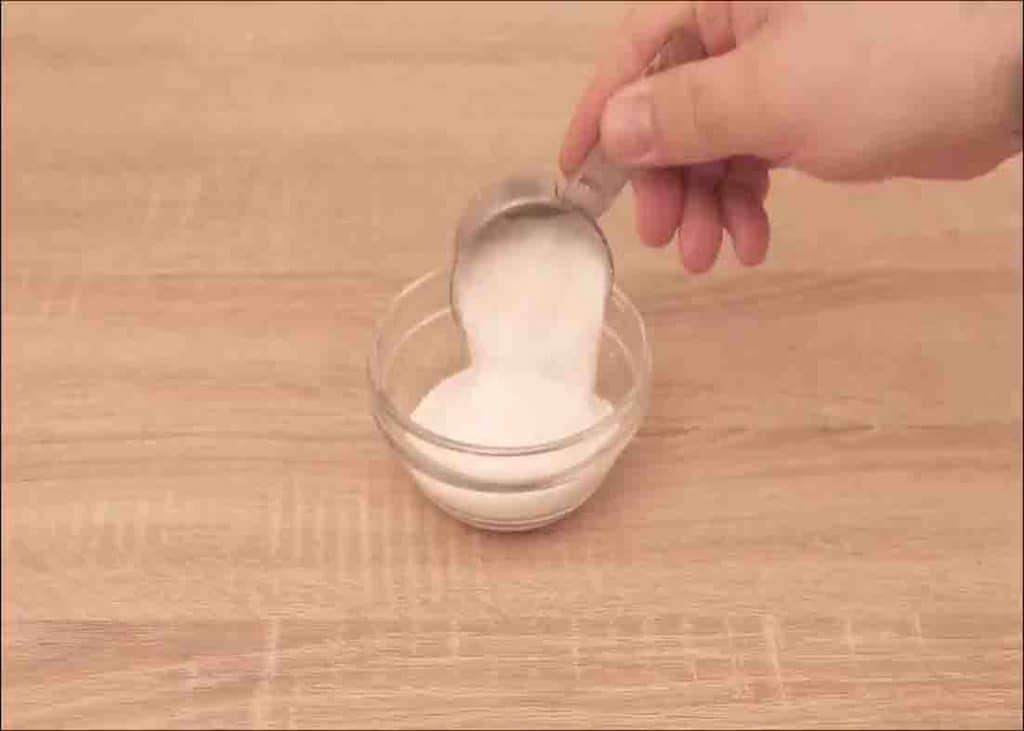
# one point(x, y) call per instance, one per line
point(205, 209)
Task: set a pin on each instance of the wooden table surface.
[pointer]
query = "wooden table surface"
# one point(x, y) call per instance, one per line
point(205, 209)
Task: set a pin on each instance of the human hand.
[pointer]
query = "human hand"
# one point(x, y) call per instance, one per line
point(842, 91)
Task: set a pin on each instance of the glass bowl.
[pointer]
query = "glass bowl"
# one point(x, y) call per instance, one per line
point(417, 344)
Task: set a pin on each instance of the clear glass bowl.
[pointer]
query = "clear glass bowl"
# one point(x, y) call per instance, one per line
point(418, 343)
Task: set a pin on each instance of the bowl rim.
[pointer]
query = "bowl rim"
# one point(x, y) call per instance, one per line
point(383, 401)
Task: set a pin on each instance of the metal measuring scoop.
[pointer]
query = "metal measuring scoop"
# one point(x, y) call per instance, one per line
point(520, 197)
point(588, 193)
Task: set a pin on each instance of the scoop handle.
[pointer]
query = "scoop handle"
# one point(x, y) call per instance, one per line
point(598, 181)
point(596, 185)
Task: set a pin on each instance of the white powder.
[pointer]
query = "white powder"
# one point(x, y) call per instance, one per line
point(531, 298)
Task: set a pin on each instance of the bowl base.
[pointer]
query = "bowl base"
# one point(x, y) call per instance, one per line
point(505, 526)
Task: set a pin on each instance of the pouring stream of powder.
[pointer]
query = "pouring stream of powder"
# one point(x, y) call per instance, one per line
point(531, 298)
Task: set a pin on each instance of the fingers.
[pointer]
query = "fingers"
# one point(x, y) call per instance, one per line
point(713, 196)
point(742, 193)
point(747, 223)
point(635, 44)
point(658, 194)
point(749, 172)
point(693, 114)
point(697, 112)
point(700, 231)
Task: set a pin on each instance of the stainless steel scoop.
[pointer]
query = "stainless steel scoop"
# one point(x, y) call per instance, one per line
point(587, 193)
point(532, 197)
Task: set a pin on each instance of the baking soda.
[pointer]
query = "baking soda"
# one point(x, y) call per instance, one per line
point(531, 299)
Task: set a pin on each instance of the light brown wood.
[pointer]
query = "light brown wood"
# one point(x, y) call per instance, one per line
point(207, 206)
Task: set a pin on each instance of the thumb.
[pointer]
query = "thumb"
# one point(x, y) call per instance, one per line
point(697, 112)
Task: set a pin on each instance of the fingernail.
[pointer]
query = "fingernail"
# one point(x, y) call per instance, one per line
point(627, 133)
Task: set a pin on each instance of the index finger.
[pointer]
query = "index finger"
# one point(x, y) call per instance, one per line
point(645, 29)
